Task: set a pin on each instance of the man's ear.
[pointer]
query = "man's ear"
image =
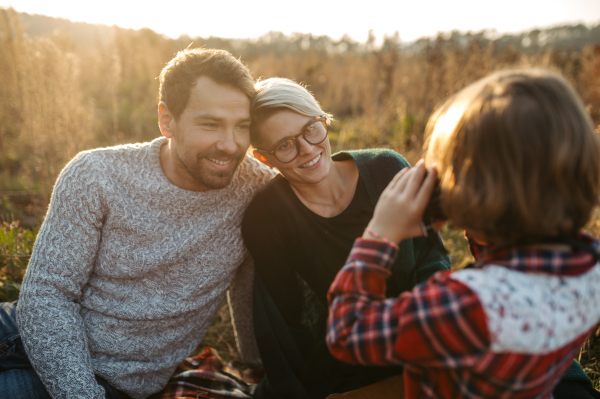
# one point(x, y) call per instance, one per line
point(258, 155)
point(165, 120)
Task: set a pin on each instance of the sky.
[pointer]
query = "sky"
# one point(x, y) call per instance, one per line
point(252, 18)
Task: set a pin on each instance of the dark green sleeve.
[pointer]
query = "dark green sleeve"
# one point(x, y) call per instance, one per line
point(419, 258)
point(377, 167)
point(430, 257)
point(575, 384)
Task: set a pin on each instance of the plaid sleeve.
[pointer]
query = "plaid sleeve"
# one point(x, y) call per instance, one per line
point(438, 324)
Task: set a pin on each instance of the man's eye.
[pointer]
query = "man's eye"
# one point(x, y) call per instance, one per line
point(244, 127)
point(210, 125)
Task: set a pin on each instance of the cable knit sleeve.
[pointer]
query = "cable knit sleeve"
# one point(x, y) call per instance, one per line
point(240, 291)
point(48, 315)
point(240, 305)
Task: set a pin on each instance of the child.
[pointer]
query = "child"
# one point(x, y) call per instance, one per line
point(519, 169)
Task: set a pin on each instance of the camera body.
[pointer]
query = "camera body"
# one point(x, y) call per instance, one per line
point(433, 212)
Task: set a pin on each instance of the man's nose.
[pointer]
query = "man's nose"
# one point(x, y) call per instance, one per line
point(227, 142)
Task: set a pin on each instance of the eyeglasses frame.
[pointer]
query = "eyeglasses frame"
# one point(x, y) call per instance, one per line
point(322, 118)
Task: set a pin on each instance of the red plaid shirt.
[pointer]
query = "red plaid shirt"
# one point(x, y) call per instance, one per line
point(507, 327)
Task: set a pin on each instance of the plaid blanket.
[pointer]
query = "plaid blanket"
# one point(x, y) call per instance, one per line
point(205, 376)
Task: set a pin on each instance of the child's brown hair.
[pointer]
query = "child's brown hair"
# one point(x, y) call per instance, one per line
point(517, 156)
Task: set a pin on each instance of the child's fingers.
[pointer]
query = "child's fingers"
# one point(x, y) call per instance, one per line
point(414, 181)
point(410, 176)
point(393, 185)
point(398, 176)
point(399, 181)
point(401, 185)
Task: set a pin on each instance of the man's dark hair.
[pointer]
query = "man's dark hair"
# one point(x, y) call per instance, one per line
point(183, 71)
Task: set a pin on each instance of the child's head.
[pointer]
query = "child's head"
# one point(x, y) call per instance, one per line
point(517, 157)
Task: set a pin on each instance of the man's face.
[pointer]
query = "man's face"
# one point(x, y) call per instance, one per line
point(211, 137)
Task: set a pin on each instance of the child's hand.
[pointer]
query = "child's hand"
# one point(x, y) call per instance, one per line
point(400, 208)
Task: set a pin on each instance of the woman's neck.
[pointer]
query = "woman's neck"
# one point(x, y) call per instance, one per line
point(331, 196)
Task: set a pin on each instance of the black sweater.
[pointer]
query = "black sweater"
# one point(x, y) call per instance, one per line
point(297, 255)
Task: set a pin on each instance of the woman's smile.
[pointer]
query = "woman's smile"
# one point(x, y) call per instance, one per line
point(312, 162)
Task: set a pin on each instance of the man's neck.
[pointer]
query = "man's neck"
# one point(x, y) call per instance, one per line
point(175, 171)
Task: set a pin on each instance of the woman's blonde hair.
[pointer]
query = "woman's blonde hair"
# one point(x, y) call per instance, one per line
point(275, 94)
point(517, 157)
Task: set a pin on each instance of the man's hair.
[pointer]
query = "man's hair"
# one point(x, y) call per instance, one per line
point(183, 71)
point(275, 94)
point(517, 156)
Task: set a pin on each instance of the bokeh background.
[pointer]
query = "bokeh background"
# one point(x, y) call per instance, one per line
point(70, 86)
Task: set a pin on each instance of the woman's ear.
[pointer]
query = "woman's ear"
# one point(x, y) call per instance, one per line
point(258, 155)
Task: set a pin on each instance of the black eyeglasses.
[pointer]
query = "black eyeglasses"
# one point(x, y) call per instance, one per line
point(287, 150)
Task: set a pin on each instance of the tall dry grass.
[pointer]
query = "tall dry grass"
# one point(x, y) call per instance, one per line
point(45, 118)
point(58, 98)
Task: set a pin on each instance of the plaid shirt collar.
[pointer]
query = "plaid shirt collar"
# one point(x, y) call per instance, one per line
point(530, 259)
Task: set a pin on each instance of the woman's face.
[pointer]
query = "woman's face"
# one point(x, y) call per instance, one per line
point(313, 163)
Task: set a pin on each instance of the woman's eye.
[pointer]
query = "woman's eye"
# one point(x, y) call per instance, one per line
point(311, 129)
point(286, 146)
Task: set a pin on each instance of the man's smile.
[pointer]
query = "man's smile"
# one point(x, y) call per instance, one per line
point(220, 162)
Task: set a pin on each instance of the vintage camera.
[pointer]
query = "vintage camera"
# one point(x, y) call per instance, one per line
point(433, 212)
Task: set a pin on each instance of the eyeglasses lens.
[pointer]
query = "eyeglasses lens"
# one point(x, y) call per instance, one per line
point(313, 134)
point(286, 151)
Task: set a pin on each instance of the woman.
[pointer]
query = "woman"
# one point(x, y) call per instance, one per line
point(300, 229)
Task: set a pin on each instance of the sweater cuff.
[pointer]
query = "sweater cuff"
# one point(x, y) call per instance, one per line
point(374, 253)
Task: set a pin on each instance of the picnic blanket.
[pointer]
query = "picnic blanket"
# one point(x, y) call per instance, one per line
point(206, 376)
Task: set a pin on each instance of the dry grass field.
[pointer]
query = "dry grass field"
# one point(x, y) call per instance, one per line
point(58, 97)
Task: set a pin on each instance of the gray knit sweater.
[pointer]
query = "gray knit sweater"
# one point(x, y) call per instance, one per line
point(129, 270)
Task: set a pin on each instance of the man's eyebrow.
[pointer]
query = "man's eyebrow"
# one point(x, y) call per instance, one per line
point(207, 116)
point(202, 117)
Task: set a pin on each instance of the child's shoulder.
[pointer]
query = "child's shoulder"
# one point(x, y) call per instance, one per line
point(534, 312)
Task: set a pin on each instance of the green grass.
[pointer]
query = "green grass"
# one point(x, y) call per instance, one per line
point(16, 245)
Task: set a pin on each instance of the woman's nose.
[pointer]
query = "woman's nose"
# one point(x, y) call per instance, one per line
point(303, 145)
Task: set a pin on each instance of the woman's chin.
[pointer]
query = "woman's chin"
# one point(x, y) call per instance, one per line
point(313, 174)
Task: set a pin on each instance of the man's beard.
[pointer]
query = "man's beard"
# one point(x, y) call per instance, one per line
point(210, 178)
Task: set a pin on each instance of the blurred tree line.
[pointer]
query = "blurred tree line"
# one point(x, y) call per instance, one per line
point(66, 87)
point(575, 36)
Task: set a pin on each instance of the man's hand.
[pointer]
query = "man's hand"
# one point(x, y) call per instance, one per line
point(400, 208)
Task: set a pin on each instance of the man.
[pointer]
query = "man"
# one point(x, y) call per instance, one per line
point(141, 242)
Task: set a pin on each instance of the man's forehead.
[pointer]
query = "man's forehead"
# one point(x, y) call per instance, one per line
point(209, 96)
point(206, 89)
